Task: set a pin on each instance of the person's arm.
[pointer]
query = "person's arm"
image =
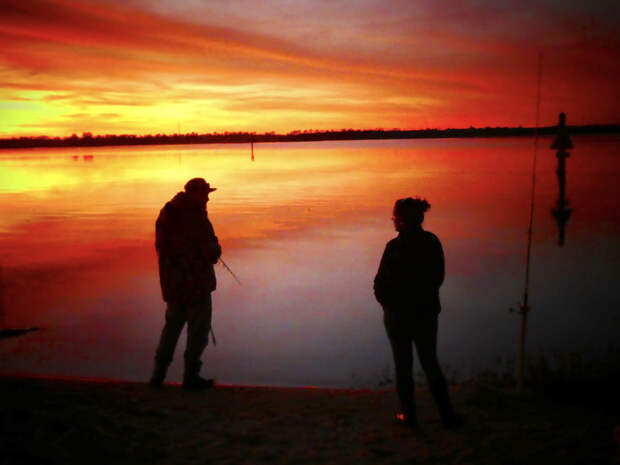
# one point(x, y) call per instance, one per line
point(383, 280)
point(214, 250)
point(438, 267)
point(160, 232)
point(211, 245)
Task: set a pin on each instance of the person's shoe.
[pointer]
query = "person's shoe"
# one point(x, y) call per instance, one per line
point(158, 376)
point(453, 422)
point(197, 383)
point(408, 421)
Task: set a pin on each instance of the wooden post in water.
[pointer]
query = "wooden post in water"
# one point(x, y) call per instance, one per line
point(562, 211)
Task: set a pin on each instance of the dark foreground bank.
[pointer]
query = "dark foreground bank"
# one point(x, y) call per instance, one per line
point(76, 421)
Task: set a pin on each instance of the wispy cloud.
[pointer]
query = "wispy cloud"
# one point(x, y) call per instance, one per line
point(384, 64)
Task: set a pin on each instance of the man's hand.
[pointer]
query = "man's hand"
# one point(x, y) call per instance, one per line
point(213, 250)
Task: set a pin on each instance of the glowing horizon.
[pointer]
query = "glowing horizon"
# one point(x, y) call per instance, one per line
point(145, 67)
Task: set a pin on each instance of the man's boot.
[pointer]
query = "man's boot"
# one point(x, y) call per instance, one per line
point(159, 374)
point(192, 380)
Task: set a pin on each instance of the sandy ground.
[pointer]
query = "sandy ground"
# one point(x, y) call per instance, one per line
point(92, 421)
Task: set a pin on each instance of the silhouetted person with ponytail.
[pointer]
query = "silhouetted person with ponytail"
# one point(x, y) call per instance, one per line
point(407, 287)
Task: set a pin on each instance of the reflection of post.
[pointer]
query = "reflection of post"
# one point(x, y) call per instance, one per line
point(252, 148)
point(562, 210)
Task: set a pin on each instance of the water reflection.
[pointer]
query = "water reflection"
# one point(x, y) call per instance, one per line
point(302, 227)
point(562, 211)
point(6, 332)
point(2, 308)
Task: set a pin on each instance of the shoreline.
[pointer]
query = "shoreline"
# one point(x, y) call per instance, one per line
point(121, 140)
point(96, 380)
point(77, 420)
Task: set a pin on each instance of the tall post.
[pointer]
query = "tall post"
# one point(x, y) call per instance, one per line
point(524, 307)
point(521, 373)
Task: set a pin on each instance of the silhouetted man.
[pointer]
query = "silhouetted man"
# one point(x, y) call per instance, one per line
point(407, 287)
point(187, 249)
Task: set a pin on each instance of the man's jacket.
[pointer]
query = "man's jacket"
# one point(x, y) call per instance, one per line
point(411, 271)
point(187, 249)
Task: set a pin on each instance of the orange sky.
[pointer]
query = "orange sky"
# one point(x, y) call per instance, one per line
point(146, 66)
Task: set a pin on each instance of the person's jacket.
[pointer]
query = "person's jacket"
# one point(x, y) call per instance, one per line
point(410, 273)
point(187, 249)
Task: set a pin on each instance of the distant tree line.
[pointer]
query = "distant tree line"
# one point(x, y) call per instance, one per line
point(89, 140)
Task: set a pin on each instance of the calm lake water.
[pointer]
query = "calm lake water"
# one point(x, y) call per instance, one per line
point(304, 226)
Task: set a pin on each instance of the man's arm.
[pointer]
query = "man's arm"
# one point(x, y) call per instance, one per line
point(160, 232)
point(213, 250)
point(211, 246)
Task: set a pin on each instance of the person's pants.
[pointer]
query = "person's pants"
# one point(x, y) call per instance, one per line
point(422, 330)
point(198, 317)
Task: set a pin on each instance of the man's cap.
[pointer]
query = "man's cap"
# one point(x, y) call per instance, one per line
point(198, 185)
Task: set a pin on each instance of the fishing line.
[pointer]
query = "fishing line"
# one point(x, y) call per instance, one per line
point(531, 222)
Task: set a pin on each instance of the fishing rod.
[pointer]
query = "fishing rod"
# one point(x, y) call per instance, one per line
point(230, 271)
point(236, 279)
point(524, 308)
